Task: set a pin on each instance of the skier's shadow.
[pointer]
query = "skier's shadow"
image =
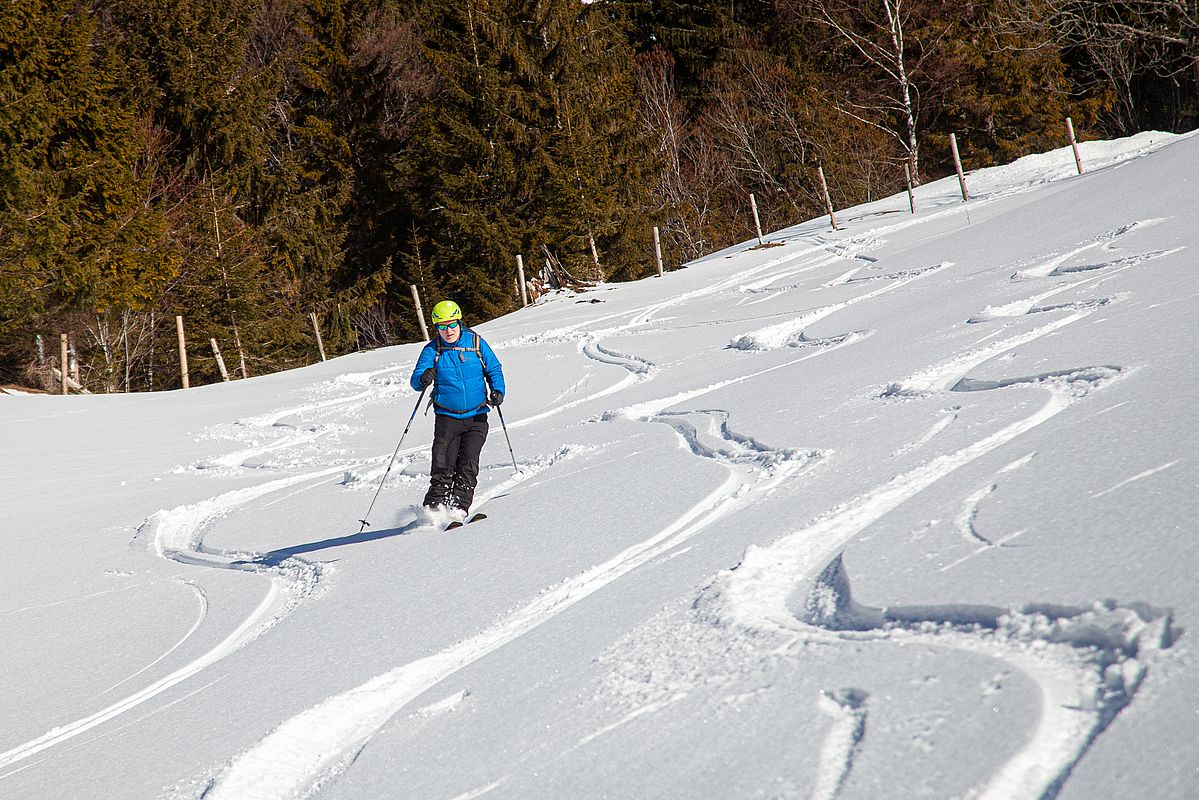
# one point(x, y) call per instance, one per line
point(274, 558)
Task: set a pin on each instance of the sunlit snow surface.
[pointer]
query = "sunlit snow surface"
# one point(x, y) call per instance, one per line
point(901, 510)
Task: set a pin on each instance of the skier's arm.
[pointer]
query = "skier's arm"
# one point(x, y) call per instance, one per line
point(427, 357)
point(492, 368)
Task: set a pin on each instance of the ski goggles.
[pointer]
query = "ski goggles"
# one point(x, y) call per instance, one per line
point(447, 326)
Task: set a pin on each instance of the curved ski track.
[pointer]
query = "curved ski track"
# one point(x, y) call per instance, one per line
point(1083, 691)
point(313, 747)
point(177, 534)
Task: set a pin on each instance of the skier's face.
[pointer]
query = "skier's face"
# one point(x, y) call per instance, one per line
point(450, 331)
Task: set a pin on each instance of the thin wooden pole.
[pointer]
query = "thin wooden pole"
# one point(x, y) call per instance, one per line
point(182, 351)
point(316, 328)
point(74, 358)
point(907, 172)
point(241, 352)
point(599, 273)
point(753, 204)
point(828, 201)
point(658, 249)
point(125, 342)
point(220, 362)
point(1073, 144)
point(150, 360)
point(62, 362)
point(957, 163)
point(520, 275)
point(420, 314)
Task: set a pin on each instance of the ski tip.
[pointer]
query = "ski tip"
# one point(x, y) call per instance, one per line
point(459, 523)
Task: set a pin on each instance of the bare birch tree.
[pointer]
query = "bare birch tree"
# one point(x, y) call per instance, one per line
point(1122, 41)
point(692, 176)
point(875, 30)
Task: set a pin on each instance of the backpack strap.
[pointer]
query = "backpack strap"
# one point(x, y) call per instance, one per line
point(477, 348)
point(438, 348)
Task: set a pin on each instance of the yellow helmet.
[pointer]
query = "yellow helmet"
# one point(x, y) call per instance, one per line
point(445, 311)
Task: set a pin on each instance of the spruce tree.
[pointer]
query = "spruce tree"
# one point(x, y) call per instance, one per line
point(80, 232)
point(476, 153)
point(596, 184)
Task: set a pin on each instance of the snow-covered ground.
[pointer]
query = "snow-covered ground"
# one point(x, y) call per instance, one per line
point(981, 417)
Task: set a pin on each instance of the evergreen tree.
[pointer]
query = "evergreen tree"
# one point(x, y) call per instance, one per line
point(78, 230)
point(1004, 88)
point(694, 32)
point(477, 155)
point(596, 204)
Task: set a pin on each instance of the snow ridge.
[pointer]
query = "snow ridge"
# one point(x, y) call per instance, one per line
point(314, 746)
point(847, 707)
point(1106, 648)
point(790, 333)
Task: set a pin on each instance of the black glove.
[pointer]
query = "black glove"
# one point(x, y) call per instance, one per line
point(496, 397)
point(426, 377)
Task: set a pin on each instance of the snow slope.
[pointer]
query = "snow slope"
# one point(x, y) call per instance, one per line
point(905, 509)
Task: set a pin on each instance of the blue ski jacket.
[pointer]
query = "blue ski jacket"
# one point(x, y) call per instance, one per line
point(464, 371)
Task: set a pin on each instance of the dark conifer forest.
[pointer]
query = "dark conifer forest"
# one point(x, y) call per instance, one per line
point(247, 164)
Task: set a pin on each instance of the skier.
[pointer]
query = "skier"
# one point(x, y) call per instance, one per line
point(467, 378)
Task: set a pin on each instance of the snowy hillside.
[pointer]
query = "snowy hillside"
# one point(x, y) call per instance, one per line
point(902, 510)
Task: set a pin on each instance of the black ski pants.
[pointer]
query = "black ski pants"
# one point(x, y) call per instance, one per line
point(455, 472)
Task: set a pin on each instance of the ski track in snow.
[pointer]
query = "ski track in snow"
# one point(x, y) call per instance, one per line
point(965, 521)
point(648, 708)
point(1088, 663)
point(177, 534)
point(203, 599)
point(1106, 242)
point(847, 707)
point(309, 748)
point(1085, 662)
point(313, 747)
point(1053, 268)
point(949, 374)
point(951, 415)
point(965, 518)
point(1147, 473)
point(790, 333)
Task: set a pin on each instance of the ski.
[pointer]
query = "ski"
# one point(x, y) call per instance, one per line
point(458, 524)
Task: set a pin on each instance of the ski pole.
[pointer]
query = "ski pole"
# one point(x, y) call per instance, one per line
point(505, 427)
point(393, 458)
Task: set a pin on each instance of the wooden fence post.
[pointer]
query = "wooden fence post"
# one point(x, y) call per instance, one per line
point(1073, 144)
point(753, 204)
point(74, 358)
point(62, 362)
point(658, 249)
point(220, 362)
point(599, 272)
point(316, 328)
point(828, 201)
point(957, 163)
point(182, 351)
point(520, 276)
point(907, 173)
point(420, 314)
